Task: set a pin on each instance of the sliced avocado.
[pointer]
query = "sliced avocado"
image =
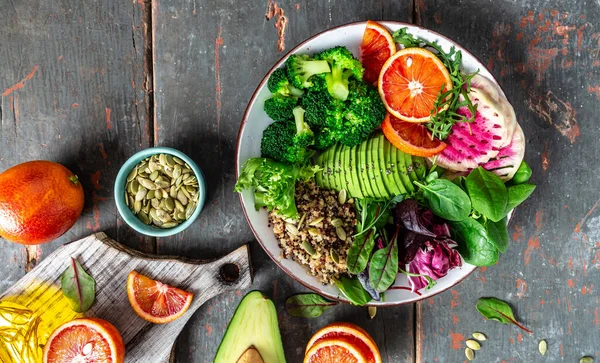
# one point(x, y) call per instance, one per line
point(377, 172)
point(420, 167)
point(330, 178)
point(410, 167)
point(370, 172)
point(362, 168)
point(402, 172)
point(337, 182)
point(392, 163)
point(349, 184)
point(353, 163)
point(254, 324)
point(343, 163)
point(319, 175)
point(324, 158)
point(386, 174)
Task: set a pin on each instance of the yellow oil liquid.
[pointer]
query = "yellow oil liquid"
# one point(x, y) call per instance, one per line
point(27, 320)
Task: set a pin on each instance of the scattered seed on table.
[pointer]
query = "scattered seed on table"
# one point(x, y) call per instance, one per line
point(586, 360)
point(469, 353)
point(479, 336)
point(473, 344)
point(543, 347)
point(372, 311)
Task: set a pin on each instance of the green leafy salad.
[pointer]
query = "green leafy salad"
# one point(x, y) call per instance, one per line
point(413, 214)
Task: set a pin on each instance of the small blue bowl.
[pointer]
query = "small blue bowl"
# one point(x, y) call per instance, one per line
point(130, 218)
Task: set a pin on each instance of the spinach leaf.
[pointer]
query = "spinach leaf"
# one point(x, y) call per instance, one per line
point(474, 243)
point(307, 305)
point(360, 251)
point(363, 277)
point(488, 193)
point(498, 234)
point(517, 195)
point(459, 181)
point(78, 287)
point(446, 200)
point(352, 290)
point(495, 309)
point(384, 265)
point(522, 175)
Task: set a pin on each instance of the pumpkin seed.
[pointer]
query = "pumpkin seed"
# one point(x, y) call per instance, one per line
point(163, 184)
point(169, 225)
point(308, 248)
point(176, 171)
point(479, 336)
point(314, 232)
point(150, 194)
point(147, 183)
point(181, 216)
point(143, 217)
point(586, 360)
point(173, 192)
point(191, 190)
point(162, 159)
point(335, 257)
point(154, 175)
point(182, 198)
point(131, 201)
point(158, 194)
point(141, 194)
point(342, 196)
point(189, 180)
point(126, 199)
point(473, 344)
point(186, 193)
point(291, 229)
point(302, 218)
point(137, 207)
point(132, 174)
point(155, 203)
point(372, 311)
point(169, 204)
point(337, 222)
point(163, 216)
point(146, 207)
point(133, 187)
point(316, 221)
point(341, 233)
point(469, 353)
point(543, 347)
point(190, 210)
point(178, 205)
point(178, 160)
point(153, 166)
point(169, 160)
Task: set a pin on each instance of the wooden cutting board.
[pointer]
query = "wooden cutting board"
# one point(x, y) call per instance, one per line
point(110, 262)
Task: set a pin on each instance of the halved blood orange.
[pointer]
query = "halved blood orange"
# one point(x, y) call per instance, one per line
point(351, 333)
point(154, 301)
point(377, 46)
point(87, 340)
point(411, 138)
point(335, 350)
point(410, 82)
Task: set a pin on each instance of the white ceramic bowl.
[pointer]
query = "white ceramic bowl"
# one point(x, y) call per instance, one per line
point(248, 146)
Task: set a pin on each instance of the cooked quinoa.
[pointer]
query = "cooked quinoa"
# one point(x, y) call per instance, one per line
point(319, 210)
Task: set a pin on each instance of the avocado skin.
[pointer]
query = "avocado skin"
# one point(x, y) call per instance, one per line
point(254, 323)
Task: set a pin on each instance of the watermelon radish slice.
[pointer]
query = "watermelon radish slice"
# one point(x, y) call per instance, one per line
point(506, 163)
point(483, 84)
point(474, 143)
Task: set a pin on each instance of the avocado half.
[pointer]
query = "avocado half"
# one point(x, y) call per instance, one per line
point(253, 328)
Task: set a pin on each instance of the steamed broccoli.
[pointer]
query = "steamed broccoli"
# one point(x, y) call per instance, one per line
point(280, 107)
point(279, 84)
point(325, 137)
point(322, 109)
point(343, 66)
point(365, 113)
point(288, 141)
point(301, 67)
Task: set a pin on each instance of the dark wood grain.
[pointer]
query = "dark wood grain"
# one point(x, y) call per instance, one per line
point(210, 57)
point(71, 88)
point(545, 56)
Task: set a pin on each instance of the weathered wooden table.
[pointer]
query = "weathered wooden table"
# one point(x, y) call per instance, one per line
point(88, 83)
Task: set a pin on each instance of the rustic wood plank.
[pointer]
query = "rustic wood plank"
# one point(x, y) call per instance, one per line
point(210, 56)
point(110, 263)
point(72, 91)
point(545, 55)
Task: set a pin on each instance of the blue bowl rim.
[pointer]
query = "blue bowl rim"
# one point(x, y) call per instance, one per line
point(119, 192)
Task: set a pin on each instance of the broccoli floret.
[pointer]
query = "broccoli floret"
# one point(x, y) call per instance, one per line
point(365, 113)
point(301, 67)
point(279, 84)
point(325, 137)
point(280, 107)
point(322, 109)
point(287, 140)
point(343, 66)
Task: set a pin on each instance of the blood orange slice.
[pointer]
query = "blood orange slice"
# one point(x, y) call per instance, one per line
point(335, 350)
point(377, 46)
point(87, 340)
point(410, 82)
point(350, 333)
point(154, 301)
point(411, 138)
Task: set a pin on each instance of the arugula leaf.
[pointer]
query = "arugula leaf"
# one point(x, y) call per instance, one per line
point(474, 244)
point(522, 175)
point(384, 265)
point(352, 290)
point(517, 195)
point(78, 287)
point(446, 200)
point(495, 309)
point(374, 214)
point(498, 234)
point(360, 251)
point(488, 193)
point(307, 305)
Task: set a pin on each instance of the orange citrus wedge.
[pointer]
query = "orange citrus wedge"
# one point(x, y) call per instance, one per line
point(411, 138)
point(335, 350)
point(410, 82)
point(87, 340)
point(377, 46)
point(154, 301)
point(350, 333)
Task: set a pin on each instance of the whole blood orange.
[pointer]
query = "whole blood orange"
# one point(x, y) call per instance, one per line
point(410, 82)
point(39, 202)
point(88, 340)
